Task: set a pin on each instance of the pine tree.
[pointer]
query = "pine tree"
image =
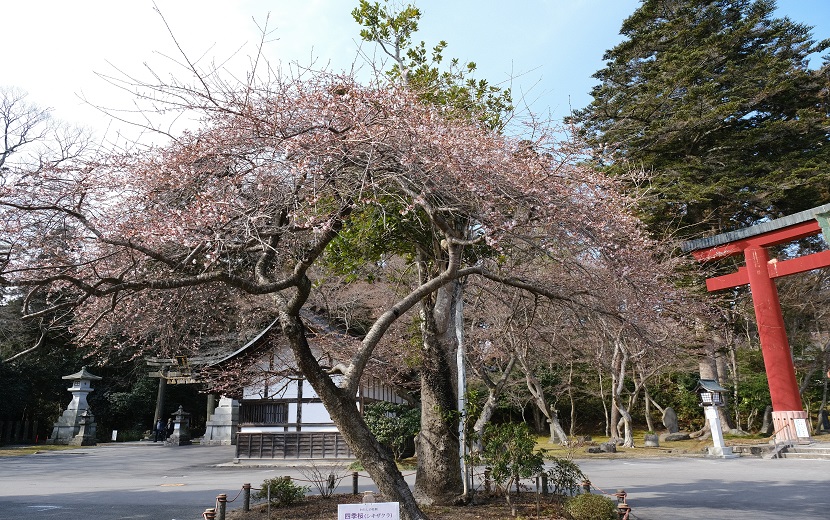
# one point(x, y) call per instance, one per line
point(716, 101)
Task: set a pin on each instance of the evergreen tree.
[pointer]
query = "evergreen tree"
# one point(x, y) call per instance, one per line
point(715, 99)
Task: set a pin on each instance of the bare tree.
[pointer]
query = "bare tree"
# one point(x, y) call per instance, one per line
point(32, 142)
point(32, 138)
point(23, 124)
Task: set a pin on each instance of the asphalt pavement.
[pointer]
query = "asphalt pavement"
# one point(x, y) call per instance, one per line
point(714, 489)
point(146, 480)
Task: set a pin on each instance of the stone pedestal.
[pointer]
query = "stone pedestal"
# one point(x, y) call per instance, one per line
point(719, 449)
point(181, 429)
point(791, 427)
point(86, 431)
point(77, 416)
point(221, 426)
point(723, 452)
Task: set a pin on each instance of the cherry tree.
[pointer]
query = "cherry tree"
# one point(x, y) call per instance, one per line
point(279, 170)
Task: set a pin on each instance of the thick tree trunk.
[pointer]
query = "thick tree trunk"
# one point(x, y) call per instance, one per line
point(628, 436)
point(615, 410)
point(494, 391)
point(605, 414)
point(647, 410)
point(557, 433)
point(376, 460)
point(486, 412)
point(734, 378)
point(438, 479)
point(824, 379)
point(571, 400)
point(539, 421)
point(766, 426)
point(619, 412)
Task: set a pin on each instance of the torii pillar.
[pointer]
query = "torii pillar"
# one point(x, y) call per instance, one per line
point(788, 415)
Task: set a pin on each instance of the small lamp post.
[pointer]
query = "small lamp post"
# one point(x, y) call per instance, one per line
point(711, 399)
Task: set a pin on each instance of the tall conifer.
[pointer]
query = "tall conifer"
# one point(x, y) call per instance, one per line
point(714, 99)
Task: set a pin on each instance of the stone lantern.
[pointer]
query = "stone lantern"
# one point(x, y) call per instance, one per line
point(181, 429)
point(77, 420)
point(711, 398)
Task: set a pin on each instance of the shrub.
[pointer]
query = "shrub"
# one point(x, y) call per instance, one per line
point(565, 476)
point(394, 425)
point(591, 507)
point(325, 479)
point(283, 492)
point(509, 451)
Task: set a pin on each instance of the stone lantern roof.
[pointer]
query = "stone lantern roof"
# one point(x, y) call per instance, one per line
point(83, 374)
point(709, 385)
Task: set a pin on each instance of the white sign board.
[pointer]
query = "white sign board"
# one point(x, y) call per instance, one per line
point(370, 511)
point(801, 428)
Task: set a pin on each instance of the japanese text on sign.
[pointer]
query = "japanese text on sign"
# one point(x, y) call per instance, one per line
point(373, 511)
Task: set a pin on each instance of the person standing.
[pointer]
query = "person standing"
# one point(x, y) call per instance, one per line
point(159, 431)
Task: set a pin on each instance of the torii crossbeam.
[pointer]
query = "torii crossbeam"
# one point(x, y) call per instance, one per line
point(760, 272)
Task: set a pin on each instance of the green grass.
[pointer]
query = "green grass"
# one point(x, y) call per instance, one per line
point(673, 448)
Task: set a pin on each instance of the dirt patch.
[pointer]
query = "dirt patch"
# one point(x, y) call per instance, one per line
point(18, 451)
point(314, 507)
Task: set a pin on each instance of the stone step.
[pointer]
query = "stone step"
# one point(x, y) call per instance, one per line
point(814, 455)
point(755, 450)
point(809, 451)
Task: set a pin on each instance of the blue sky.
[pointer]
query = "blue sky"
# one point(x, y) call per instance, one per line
point(546, 50)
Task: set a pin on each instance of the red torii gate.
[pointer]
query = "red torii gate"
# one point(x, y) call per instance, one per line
point(789, 418)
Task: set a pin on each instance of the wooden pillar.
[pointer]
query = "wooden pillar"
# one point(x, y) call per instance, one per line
point(787, 411)
point(299, 404)
point(778, 360)
point(160, 399)
point(211, 405)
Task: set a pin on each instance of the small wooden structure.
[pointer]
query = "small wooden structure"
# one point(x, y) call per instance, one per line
point(280, 415)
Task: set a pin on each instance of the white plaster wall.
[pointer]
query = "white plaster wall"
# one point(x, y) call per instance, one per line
point(284, 389)
point(379, 391)
point(315, 413)
point(252, 393)
point(261, 429)
point(308, 391)
point(292, 412)
point(279, 429)
point(328, 428)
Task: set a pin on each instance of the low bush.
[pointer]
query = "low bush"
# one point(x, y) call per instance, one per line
point(591, 507)
point(565, 476)
point(281, 491)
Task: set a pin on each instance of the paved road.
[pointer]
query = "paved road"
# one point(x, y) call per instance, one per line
point(125, 481)
point(714, 489)
point(150, 481)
